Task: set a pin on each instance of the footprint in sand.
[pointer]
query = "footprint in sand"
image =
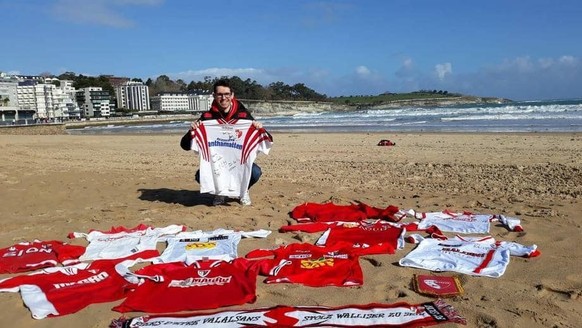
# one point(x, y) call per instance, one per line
point(486, 321)
point(561, 293)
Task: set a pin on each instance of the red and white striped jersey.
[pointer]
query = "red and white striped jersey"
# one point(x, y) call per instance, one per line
point(227, 151)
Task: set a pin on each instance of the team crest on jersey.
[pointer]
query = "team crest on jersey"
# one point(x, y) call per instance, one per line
point(200, 245)
point(238, 133)
point(336, 255)
point(203, 273)
point(314, 264)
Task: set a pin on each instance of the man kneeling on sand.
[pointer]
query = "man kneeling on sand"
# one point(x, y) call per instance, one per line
point(226, 107)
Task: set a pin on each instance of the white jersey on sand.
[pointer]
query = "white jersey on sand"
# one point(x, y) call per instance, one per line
point(463, 222)
point(219, 244)
point(117, 245)
point(227, 152)
point(480, 256)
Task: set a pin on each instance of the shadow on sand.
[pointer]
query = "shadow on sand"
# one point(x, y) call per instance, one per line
point(170, 196)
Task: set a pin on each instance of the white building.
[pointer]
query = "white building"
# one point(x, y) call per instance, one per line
point(94, 102)
point(38, 98)
point(133, 96)
point(181, 102)
point(46, 101)
point(8, 101)
point(31, 99)
point(70, 98)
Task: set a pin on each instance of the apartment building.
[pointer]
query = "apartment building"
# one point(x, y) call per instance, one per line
point(27, 98)
point(133, 95)
point(94, 102)
point(8, 101)
point(181, 102)
point(70, 98)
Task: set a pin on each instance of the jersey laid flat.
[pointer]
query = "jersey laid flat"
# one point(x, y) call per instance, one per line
point(463, 222)
point(28, 256)
point(227, 151)
point(365, 237)
point(124, 243)
point(219, 244)
point(328, 212)
point(311, 265)
point(479, 256)
point(64, 290)
point(202, 285)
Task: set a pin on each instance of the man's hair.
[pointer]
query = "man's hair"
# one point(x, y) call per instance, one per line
point(222, 83)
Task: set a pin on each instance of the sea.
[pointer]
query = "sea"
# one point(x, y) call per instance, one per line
point(522, 116)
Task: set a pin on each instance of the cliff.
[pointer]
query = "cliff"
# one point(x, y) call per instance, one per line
point(271, 108)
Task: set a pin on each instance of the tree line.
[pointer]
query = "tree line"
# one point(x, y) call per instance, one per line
point(244, 89)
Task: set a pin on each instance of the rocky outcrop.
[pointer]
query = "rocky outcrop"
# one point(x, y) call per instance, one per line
point(267, 108)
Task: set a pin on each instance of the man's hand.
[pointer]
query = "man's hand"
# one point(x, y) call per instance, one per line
point(257, 125)
point(194, 125)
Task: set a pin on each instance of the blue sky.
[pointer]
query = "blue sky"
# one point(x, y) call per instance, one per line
point(522, 50)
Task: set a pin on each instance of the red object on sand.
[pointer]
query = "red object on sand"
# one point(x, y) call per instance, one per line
point(385, 142)
point(441, 286)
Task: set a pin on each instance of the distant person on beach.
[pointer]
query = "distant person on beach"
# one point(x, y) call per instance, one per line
point(225, 106)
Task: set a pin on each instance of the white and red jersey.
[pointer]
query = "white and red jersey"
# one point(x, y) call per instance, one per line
point(329, 212)
point(227, 151)
point(479, 256)
point(64, 290)
point(28, 256)
point(463, 222)
point(377, 237)
point(119, 243)
point(311, 265)
point(174, 287)
point(219, 244)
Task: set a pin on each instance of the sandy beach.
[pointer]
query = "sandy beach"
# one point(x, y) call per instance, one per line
point(53, 185)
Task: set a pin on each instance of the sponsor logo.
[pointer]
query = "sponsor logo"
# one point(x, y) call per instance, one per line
point(458, 251)
point(200, 282)
point(314, 264)
point(12, 251)
point(200, 245)
point(91, 280)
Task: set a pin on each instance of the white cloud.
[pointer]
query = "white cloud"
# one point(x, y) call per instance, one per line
point(98, 12)
point(216, 71)
point(525, 79)
point(362, 71)
point(443, 69)
point(407, 63)
point(521, 78)
point(545, 62)
point(568, 60)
